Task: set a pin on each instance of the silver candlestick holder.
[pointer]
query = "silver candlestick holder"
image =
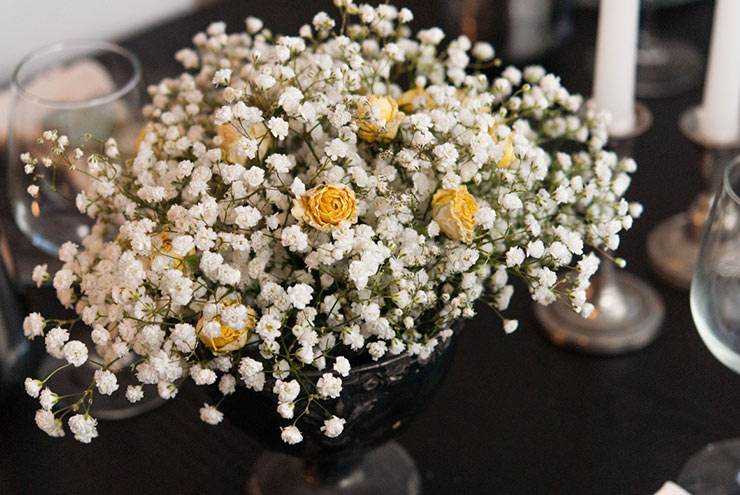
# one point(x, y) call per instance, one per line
point(673, 245)
point(627, 312)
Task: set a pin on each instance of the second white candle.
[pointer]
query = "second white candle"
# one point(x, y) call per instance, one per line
point(616, 63)
point(719, 118)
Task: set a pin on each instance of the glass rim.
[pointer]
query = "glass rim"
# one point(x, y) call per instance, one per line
point(59, 46)
point(731, 192)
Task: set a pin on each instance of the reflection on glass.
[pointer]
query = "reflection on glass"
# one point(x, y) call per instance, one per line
point(75, 87)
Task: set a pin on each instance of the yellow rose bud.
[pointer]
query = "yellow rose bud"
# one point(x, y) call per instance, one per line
point(140, 139)
point(461, 95)
point(387, 108)
point(454, 211)
point(230, 141)
point(505, 161)
point(406, 100)
point(327, 207)
point(230, 339)
point(177, 261)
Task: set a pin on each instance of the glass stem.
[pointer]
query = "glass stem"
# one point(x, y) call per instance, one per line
point(329, 471)
point(607, 296)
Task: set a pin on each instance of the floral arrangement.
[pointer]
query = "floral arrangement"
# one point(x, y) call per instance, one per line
point(305, 202)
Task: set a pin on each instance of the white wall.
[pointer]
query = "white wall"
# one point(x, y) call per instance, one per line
point(29, 24)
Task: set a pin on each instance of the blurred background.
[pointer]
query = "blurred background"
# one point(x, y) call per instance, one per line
point(521, 30)
point(52, 21)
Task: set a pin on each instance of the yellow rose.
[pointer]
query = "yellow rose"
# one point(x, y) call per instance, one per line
point(454, 211)
point(406, 100)
point(387, 108)
point(505, 161)
point(230, 139)
point(177, 261)
point(327, 207)
point(230, 339)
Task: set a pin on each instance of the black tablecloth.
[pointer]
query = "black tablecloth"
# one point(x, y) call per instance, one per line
point(516, 414)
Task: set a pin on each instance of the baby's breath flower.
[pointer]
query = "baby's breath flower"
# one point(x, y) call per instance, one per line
point(50, 425)
point(33, 325)
point(134, 393)
point(291, 204)
point(291, 435)
point(33, 387)
point(209, 414)
point(333, 427)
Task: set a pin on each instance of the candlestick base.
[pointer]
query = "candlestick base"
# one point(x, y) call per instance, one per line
point(690, 128)
point(673, 250)
point(643, 121)
point(673, 245)
point(627, 311)
point(627, 317)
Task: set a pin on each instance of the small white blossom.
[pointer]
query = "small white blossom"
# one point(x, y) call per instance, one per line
point(514, 256)
point(134, 393)
point(300, 295)
point(483, 51)
point(511, 201)
point(83, 427)
point(286, 410)
point(254, 25)
point(329, 385)
point(50, 425)
point(286, 391)
point(33, 325)
point(510, 325)
point(167, 390)
point(291, 435)
point(106, 382)
point(202, 376)
point(278, 127)
point(333, 427)
point(40, 274)
point(222, 77)
point(227, 384)
point(33, 387)
point(342, 366)
point(209, 414)
point(75, 352)
point(305, 354)
point(55, 340)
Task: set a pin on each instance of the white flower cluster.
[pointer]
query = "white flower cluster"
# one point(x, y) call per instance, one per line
point(290, 204)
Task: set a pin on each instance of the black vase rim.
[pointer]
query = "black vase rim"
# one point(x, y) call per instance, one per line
point(456, 326)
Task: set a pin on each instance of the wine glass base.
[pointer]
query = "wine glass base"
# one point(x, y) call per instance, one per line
point(713, 470)
point(389, 470)
point(673, 251)
point(670, 68)
point(603, 332)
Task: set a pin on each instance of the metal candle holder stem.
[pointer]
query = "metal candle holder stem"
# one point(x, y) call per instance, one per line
point(628, 312)
point(673, 245)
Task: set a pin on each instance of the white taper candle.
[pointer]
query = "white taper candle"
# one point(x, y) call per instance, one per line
point(719, 116)
point(616, 63)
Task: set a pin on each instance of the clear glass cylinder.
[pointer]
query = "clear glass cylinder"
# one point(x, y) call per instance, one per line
point(715, 306)
point(715, 290)
point(75, 87)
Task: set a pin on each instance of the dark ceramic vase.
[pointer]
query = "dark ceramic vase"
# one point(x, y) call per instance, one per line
point(378, 401)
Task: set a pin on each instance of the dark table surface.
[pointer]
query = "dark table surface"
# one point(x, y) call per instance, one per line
point(516, 415)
